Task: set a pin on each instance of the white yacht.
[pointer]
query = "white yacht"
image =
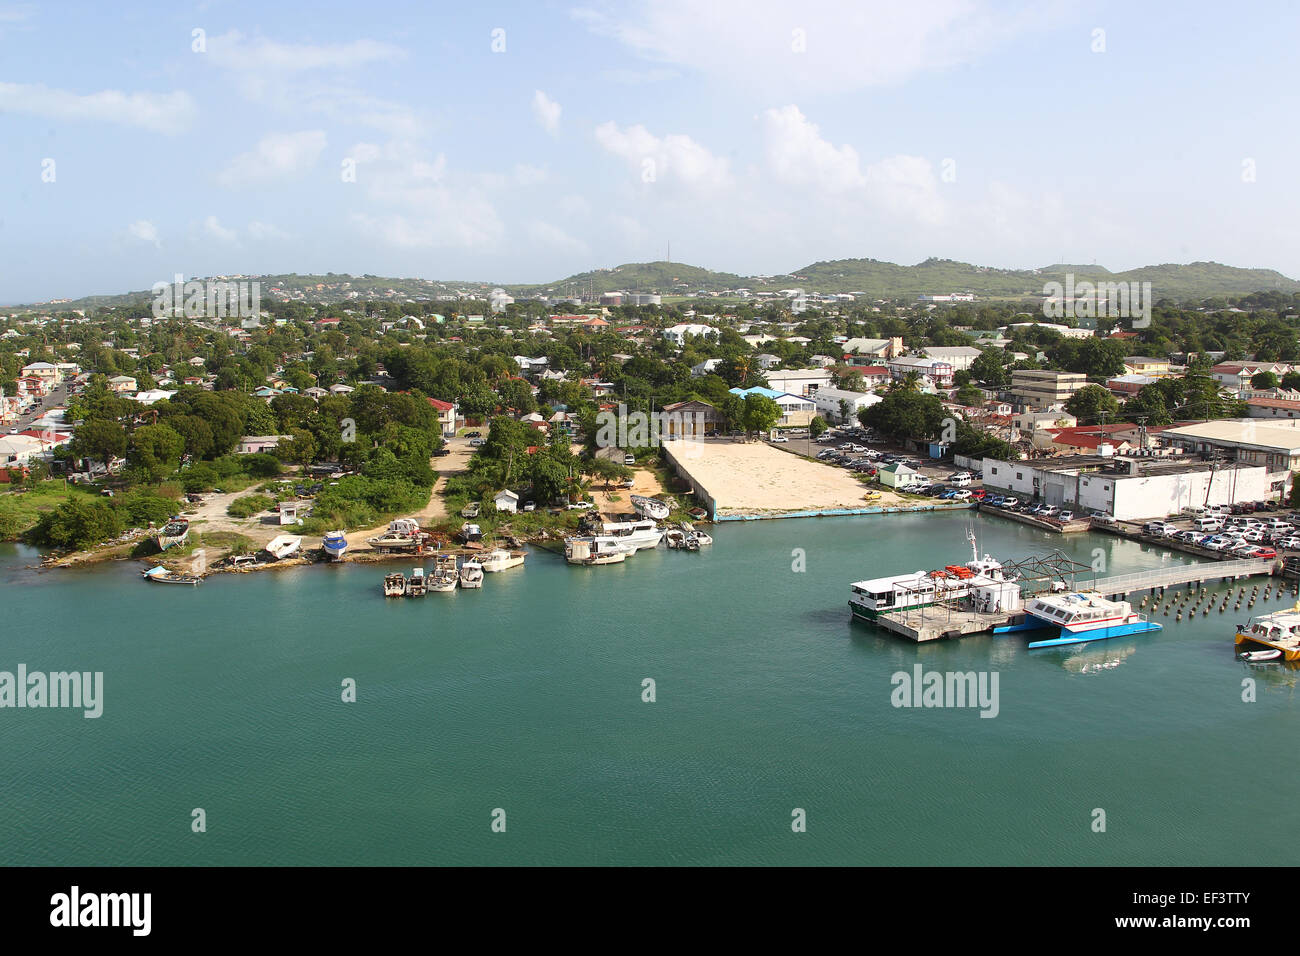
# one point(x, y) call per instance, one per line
point(501, 559)
point(596, 550)
point(643, 533)
point(471, 573)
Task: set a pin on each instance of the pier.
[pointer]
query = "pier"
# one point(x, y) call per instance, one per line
point(1123, 584)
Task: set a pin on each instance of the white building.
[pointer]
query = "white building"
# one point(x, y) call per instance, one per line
point(799, 381)
point(506, 501)
point(828, 401)
point(678, 334)
point(959, 357)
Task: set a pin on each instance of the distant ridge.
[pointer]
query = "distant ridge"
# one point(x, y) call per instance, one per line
point(871, 277)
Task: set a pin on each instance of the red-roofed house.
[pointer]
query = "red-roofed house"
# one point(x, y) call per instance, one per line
point(446, 415)
point(1085, 439)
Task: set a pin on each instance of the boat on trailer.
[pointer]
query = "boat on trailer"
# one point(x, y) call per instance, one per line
point(403, 534)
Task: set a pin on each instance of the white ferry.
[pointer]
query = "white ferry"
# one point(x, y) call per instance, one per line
point(1085, 616)
point(978, 577)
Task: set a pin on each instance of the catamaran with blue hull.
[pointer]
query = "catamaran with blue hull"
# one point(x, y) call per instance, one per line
point(1083, 616)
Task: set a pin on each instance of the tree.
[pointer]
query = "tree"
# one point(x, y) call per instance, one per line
point(300, 448)
point(969, 395)
point(1090, 403)
point(990, 368)
point(156, 449)
point(99, 439)
point(817, 427)
point(761, 413)
point(1291, 381)
point(1262, 380)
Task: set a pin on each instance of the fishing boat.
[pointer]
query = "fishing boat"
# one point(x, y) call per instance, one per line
point(651, 508)
point(470, 532)
point(501, 559)
point(335, 545)
point(445, 576)
point(1083, 616)
point(471, 573)
point(394, 584)
point(175, 531)
point(283, 545)
point(161, 575)
point(403, 534)
point(595, 550)
point(1276, 631)
point(643, 533)
point(415, 584)
point(981, 577)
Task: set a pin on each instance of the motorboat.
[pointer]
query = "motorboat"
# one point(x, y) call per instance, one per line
point(501, 559)
point(1085, 616)
point(445, 575)
point(394, 584)
point(335, 545)
point(595, 550)
point(470, 533)
point(403, 534)
point(283, 545)
point(651, 508)
point(161, 575)
point(415, 584)
point(979, 576)
point(471, 573)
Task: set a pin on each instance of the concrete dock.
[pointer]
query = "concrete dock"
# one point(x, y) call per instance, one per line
point(932, 623)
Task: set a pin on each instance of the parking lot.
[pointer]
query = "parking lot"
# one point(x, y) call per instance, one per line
point(1257, 530)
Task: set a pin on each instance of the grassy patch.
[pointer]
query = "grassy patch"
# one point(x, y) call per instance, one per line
point(19, 510)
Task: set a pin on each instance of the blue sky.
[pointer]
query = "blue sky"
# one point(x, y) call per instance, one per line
point(756, 136)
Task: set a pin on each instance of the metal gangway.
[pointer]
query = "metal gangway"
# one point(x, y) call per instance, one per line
point(1184, 574)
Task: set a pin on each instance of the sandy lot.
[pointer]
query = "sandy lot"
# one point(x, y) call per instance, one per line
point(752, 477)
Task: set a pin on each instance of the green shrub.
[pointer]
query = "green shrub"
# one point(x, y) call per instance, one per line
point(249, 505)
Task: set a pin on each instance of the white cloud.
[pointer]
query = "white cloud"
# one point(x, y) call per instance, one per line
point(234, 51)
point(144, 230)
point(673, 158)
point(555, 237)
point(264, 231)
point(276, 156)
point(213, 227)
point(161, 112)
point(547, 112)
point(815, 45)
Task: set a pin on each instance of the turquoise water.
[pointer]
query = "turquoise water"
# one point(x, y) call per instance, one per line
point(527, 696)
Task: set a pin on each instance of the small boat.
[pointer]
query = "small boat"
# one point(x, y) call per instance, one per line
point(675, 538)
point(161, 575)
point(595, 550)
point(699, 514)
point(243, 562)
point(174, 532)
point(403, 534)
point(692, 543)
point(470, 510)
point(283, 545)
point(445, 577)
point(501, 559)
point(701, 539)
point(394, 584)
point(1256, 657)
point(651, 507)
point(471, 574)
point(1276, 631)
point(335, 544)
point(415, 584)
point(471, 532)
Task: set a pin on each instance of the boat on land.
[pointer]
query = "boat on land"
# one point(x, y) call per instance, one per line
point(174, 532)
point(699, 514)
point(470, 533)
point(1277, 631)
point(595, 550)
point(283, 545)
point(335, 545)
point(470, 510)
point(403, 534)
point(501, 559)
point(982, 578)
point(415, 584)
point(1083, 616)
point(651, 508)
point(161, 575)
point(471, 573)
point(394, 584)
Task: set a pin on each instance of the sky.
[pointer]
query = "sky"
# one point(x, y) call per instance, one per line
point(524, 142)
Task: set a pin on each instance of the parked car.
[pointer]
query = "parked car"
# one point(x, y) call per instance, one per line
point(978, 494)
point(473, 434)
point(1065, 516)
point(629, 459)
point(476, 443)
point(530, 505)
point(1263, 553)
point(1102, 517)
point(581, 506)
point(778, 438)
point(441, 452)
point(1291, 543)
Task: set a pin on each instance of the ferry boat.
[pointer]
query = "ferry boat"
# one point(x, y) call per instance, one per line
point(175, 531)
point(1085, 616)
point(415, 585)
point(651, 508)
point(595, 550)
point(394, 584)
point(501, 559)
point(983, 576)
point(471, 574)
point(403, 534)
point(283, 545)
point(161, 575)
point(335, 544)
point(643, 533)
point(1277, 631)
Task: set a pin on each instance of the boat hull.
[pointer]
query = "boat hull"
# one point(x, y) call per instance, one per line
point(1097, 634)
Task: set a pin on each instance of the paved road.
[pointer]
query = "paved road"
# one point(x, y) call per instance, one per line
point(56, 398)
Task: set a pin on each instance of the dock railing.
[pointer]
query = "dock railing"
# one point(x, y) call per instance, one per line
point(1183, 574)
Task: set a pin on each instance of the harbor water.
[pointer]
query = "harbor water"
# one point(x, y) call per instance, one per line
point(525, 702)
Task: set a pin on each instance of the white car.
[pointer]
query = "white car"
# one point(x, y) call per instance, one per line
point(1065, 516)
point(581, 506)
point(1290, 544)
point(961, 496)
point(778, 438)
